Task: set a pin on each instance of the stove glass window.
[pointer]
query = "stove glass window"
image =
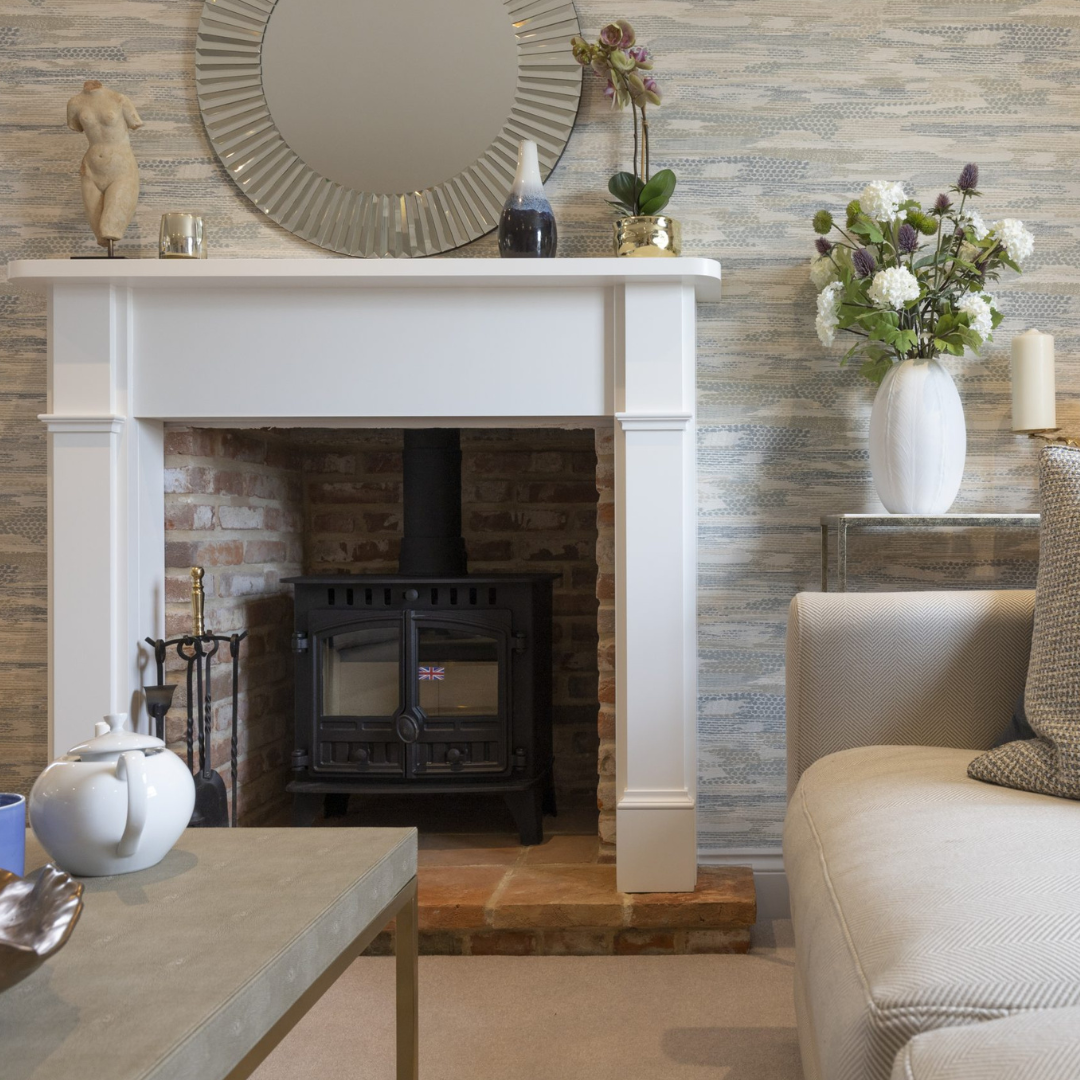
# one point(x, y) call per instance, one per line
point(362, 672)
point(458, 672)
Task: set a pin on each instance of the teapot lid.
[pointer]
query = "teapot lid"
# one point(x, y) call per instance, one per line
point(111, 736)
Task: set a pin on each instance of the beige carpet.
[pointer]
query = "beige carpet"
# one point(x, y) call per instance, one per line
point(561, 1018)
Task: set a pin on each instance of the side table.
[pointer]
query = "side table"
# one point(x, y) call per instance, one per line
point(843, 522)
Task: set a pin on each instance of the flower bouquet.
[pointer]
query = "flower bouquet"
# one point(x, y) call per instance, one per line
point(639, 195)
point(909, 285)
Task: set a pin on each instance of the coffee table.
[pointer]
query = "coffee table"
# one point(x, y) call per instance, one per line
point(199, 966)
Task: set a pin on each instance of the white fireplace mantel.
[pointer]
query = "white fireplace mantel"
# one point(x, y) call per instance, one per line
point(135, 344)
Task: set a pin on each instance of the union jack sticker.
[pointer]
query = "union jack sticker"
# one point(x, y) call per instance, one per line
point(431, 673)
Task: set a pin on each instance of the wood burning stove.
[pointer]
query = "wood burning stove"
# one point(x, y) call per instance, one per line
point(430, 680)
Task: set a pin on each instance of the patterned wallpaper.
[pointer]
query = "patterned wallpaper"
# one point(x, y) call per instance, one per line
point(772, 109)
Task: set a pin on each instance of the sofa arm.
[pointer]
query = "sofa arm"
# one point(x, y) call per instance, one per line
point(1040, 1045)
point(910, 668)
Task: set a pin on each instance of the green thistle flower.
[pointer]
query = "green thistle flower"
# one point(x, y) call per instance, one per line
point(823, 222)
point(853, 212)
point(923, 222)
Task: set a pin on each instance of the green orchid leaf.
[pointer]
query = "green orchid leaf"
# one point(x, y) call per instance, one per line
point(657, 192)
point(626, 188)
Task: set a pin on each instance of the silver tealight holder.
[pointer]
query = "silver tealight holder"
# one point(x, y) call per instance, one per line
point(182, 237)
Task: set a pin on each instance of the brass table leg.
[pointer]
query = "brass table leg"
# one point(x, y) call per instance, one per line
point(408, 1015)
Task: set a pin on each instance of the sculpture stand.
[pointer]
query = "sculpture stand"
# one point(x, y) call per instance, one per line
point(111, 246)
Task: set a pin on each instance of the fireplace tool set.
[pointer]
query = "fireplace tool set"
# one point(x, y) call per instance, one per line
point(198, 650)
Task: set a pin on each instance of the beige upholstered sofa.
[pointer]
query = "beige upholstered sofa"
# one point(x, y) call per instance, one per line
point(937, 919)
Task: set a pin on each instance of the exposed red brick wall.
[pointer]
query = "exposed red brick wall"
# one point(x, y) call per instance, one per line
point(233, 506)
point(253, 507)
point(605, 621)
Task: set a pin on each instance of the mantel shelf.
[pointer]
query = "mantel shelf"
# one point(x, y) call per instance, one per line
point(40, 274)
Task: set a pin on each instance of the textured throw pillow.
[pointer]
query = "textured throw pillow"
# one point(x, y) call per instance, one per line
point(1050, 763)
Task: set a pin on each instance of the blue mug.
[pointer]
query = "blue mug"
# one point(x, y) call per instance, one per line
point(13, 834)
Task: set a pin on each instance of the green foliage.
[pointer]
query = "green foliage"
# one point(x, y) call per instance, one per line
point(949, 268)
point(626, 187)
point(654, 196)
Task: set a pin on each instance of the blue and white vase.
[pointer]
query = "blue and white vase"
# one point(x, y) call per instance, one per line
point(526, 224)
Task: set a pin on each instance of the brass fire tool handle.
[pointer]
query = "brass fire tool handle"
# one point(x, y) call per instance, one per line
point(197, 601)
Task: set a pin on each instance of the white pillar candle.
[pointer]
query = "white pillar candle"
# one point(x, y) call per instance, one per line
point(1033, 382)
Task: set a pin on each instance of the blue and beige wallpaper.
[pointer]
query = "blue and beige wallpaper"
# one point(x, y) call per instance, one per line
point(771, 110)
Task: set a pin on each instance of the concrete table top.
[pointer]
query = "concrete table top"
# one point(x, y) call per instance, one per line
point(182, 970)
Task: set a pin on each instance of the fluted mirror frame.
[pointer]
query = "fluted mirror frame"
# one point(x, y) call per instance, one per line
point(228, 77)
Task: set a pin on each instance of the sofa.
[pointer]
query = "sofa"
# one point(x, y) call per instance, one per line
point(936, 918)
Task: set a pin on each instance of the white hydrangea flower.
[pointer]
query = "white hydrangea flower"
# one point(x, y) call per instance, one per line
point(881, 200)
point(973, 219)
point(893, 288)
point(1019, 243)
point(828, 312)
point(979, 307)
point(822, 271)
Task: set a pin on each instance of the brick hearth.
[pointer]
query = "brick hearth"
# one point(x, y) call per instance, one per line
point(483, 894)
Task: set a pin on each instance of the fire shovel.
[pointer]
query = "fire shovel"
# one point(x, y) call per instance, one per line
point(211, 802)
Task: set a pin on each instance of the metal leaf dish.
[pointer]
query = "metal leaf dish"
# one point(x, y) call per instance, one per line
point(37, 915)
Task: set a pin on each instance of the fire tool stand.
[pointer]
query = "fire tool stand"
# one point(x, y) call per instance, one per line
point(197, 650)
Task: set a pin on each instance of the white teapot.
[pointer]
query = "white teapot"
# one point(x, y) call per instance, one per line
point(114, 804)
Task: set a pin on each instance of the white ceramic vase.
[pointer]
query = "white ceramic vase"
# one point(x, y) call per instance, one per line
point(918, 439)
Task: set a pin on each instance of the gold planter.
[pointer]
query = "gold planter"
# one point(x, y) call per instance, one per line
point(648, 237)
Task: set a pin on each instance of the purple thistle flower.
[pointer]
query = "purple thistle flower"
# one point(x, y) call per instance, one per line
point(823, 245)
point(969, 177)
point(907, 238)
point(942, 203)
point(863, 261)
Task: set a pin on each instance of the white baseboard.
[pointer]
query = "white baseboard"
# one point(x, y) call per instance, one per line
point(770, 880)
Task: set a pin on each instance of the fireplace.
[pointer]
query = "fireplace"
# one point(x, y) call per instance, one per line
point(424, 685)
point(430, 681)
point(305, 343)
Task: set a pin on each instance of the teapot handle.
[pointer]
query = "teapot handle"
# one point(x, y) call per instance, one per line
point(131, 766)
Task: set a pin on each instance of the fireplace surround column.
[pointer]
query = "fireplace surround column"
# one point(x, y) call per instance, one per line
point(381, 343)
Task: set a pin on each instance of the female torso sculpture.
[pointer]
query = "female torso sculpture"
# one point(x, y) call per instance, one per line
point(109, 174)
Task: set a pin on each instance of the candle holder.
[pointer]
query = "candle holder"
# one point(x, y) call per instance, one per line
point(158, 703)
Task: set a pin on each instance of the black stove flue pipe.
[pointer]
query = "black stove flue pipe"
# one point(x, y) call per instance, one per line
point(431, 544)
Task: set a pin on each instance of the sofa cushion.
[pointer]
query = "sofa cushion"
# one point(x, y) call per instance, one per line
point(923, 899)
point(1042, 1045)
point(1050, 763)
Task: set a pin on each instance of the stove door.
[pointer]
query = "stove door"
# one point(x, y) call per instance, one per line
point(359, 695)
point(458, 686)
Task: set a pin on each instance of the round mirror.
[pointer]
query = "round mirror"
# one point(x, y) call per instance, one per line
point(378, 128)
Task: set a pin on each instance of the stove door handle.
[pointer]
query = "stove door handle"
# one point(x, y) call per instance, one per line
point(408, 726)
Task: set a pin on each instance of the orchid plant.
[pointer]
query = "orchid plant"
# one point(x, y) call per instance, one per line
point(624, 65)
point(910, 283)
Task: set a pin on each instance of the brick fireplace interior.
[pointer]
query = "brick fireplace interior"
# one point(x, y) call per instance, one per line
point(256, 506)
